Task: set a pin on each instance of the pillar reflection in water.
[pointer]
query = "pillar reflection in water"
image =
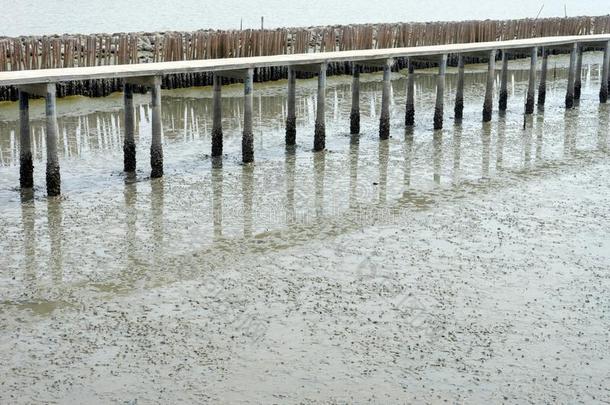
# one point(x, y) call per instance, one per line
point(319, 168)
point(539, 137)
point(157, 203)
point(527, 141)
point(485, 149)
point(354, 151)
point(55, 231)
point(501, 141)
point(384, 152)
point(408, 159)
point(290, 168)
point(217, 188)
point(130, 194)
point(457, 153)
point(247, 185)
point(602, 130)
point(437, 155)
point(28, 222)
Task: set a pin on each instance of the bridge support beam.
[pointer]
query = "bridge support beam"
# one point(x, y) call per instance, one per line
point(129, 143)
point(571, 77)
point(26, 165)
point(156, 146)
point(543, 73)
point(440, 93)
point(459, 92)
point(503, 99)
point(531, 87)
point(578, 75)
point(291, 118)
point(489, 88)
point(319, 142)
point(384, 119)
point(410, 105)
point(217, 134)
point(354, 117)
point(247, 140)
point(603, 91)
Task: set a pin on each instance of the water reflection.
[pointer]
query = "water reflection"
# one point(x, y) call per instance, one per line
point(290, 168)
point(457, 153)
point(319, 171)
point(56, 237)
point(539, 137)
point(437, 155)
point(527, 141)
point(217, 186)
point(602, 128)
point(354, 149)
point(28, 221)
point(500, 141)
point(384, 156)
point(485, 149)
point(408, 158)
point(157, 199)
point(247, 184)
point(130, 195)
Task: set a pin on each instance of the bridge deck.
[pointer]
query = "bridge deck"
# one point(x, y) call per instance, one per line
point(213, 65)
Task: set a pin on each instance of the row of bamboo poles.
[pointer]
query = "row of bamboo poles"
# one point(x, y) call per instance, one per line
point(50, 52)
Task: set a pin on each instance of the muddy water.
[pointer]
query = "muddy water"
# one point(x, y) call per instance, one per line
point(469, 264)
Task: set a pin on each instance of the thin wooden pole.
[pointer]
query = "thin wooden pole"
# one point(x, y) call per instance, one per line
point(543, 73)
point(571, 74)
point(247, 140)
point(503, 102)
point(489, 88)
point(459, 92)
point(410, 107)
point(129, 143)
point(531, 88)
point(291, 119)
point(217, 117)
point(319, 142)
point(156, 147)
point(354, 117)
point(440, 93)
point(53, 171)
point(384, 119)
point(603, 91)
point(26, 165)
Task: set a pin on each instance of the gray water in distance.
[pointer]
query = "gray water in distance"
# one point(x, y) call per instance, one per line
point(34, 17)
point(469, 264)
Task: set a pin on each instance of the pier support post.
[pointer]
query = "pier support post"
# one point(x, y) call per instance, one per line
point(440, 93)
point(571, 77)
point(291, 118)
point(489, 88)
point(543, 73)
point(459, 92)
point(247, 141)
point(603, 91)
point(410, 107)
point(156, 146)
point(26, 165)
point(384, 119)
point(217, 117)
point(53, 173)
point(319, 142)
point(531, 88)
point(354, 117)
point(129, 143)
point(578, 73)
point(503, 99)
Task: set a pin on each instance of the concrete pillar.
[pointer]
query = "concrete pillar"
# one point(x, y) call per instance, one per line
point(440, 93)
point(319, 142)
point(247, 140)
point(291, 119)
point(217, 117)
point(354, 117)
point(410, 108)
point(603, 91)
point(459, 92)
point(129, 143)
point(53, 173)
point(156, 146)
point(543, 72)
point(384, 119)
point(26, 165)
point(571, 77)
point(578, 75)
point(531, 87)
point(489, 88)
point(503, 101)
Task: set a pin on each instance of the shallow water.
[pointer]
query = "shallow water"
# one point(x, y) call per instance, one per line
point(466, 264)
point(32, 17)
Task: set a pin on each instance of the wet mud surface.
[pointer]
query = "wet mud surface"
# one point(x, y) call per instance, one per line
point(463, 265)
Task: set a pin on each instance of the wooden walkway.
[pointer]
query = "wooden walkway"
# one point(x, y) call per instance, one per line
point(43, 83)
